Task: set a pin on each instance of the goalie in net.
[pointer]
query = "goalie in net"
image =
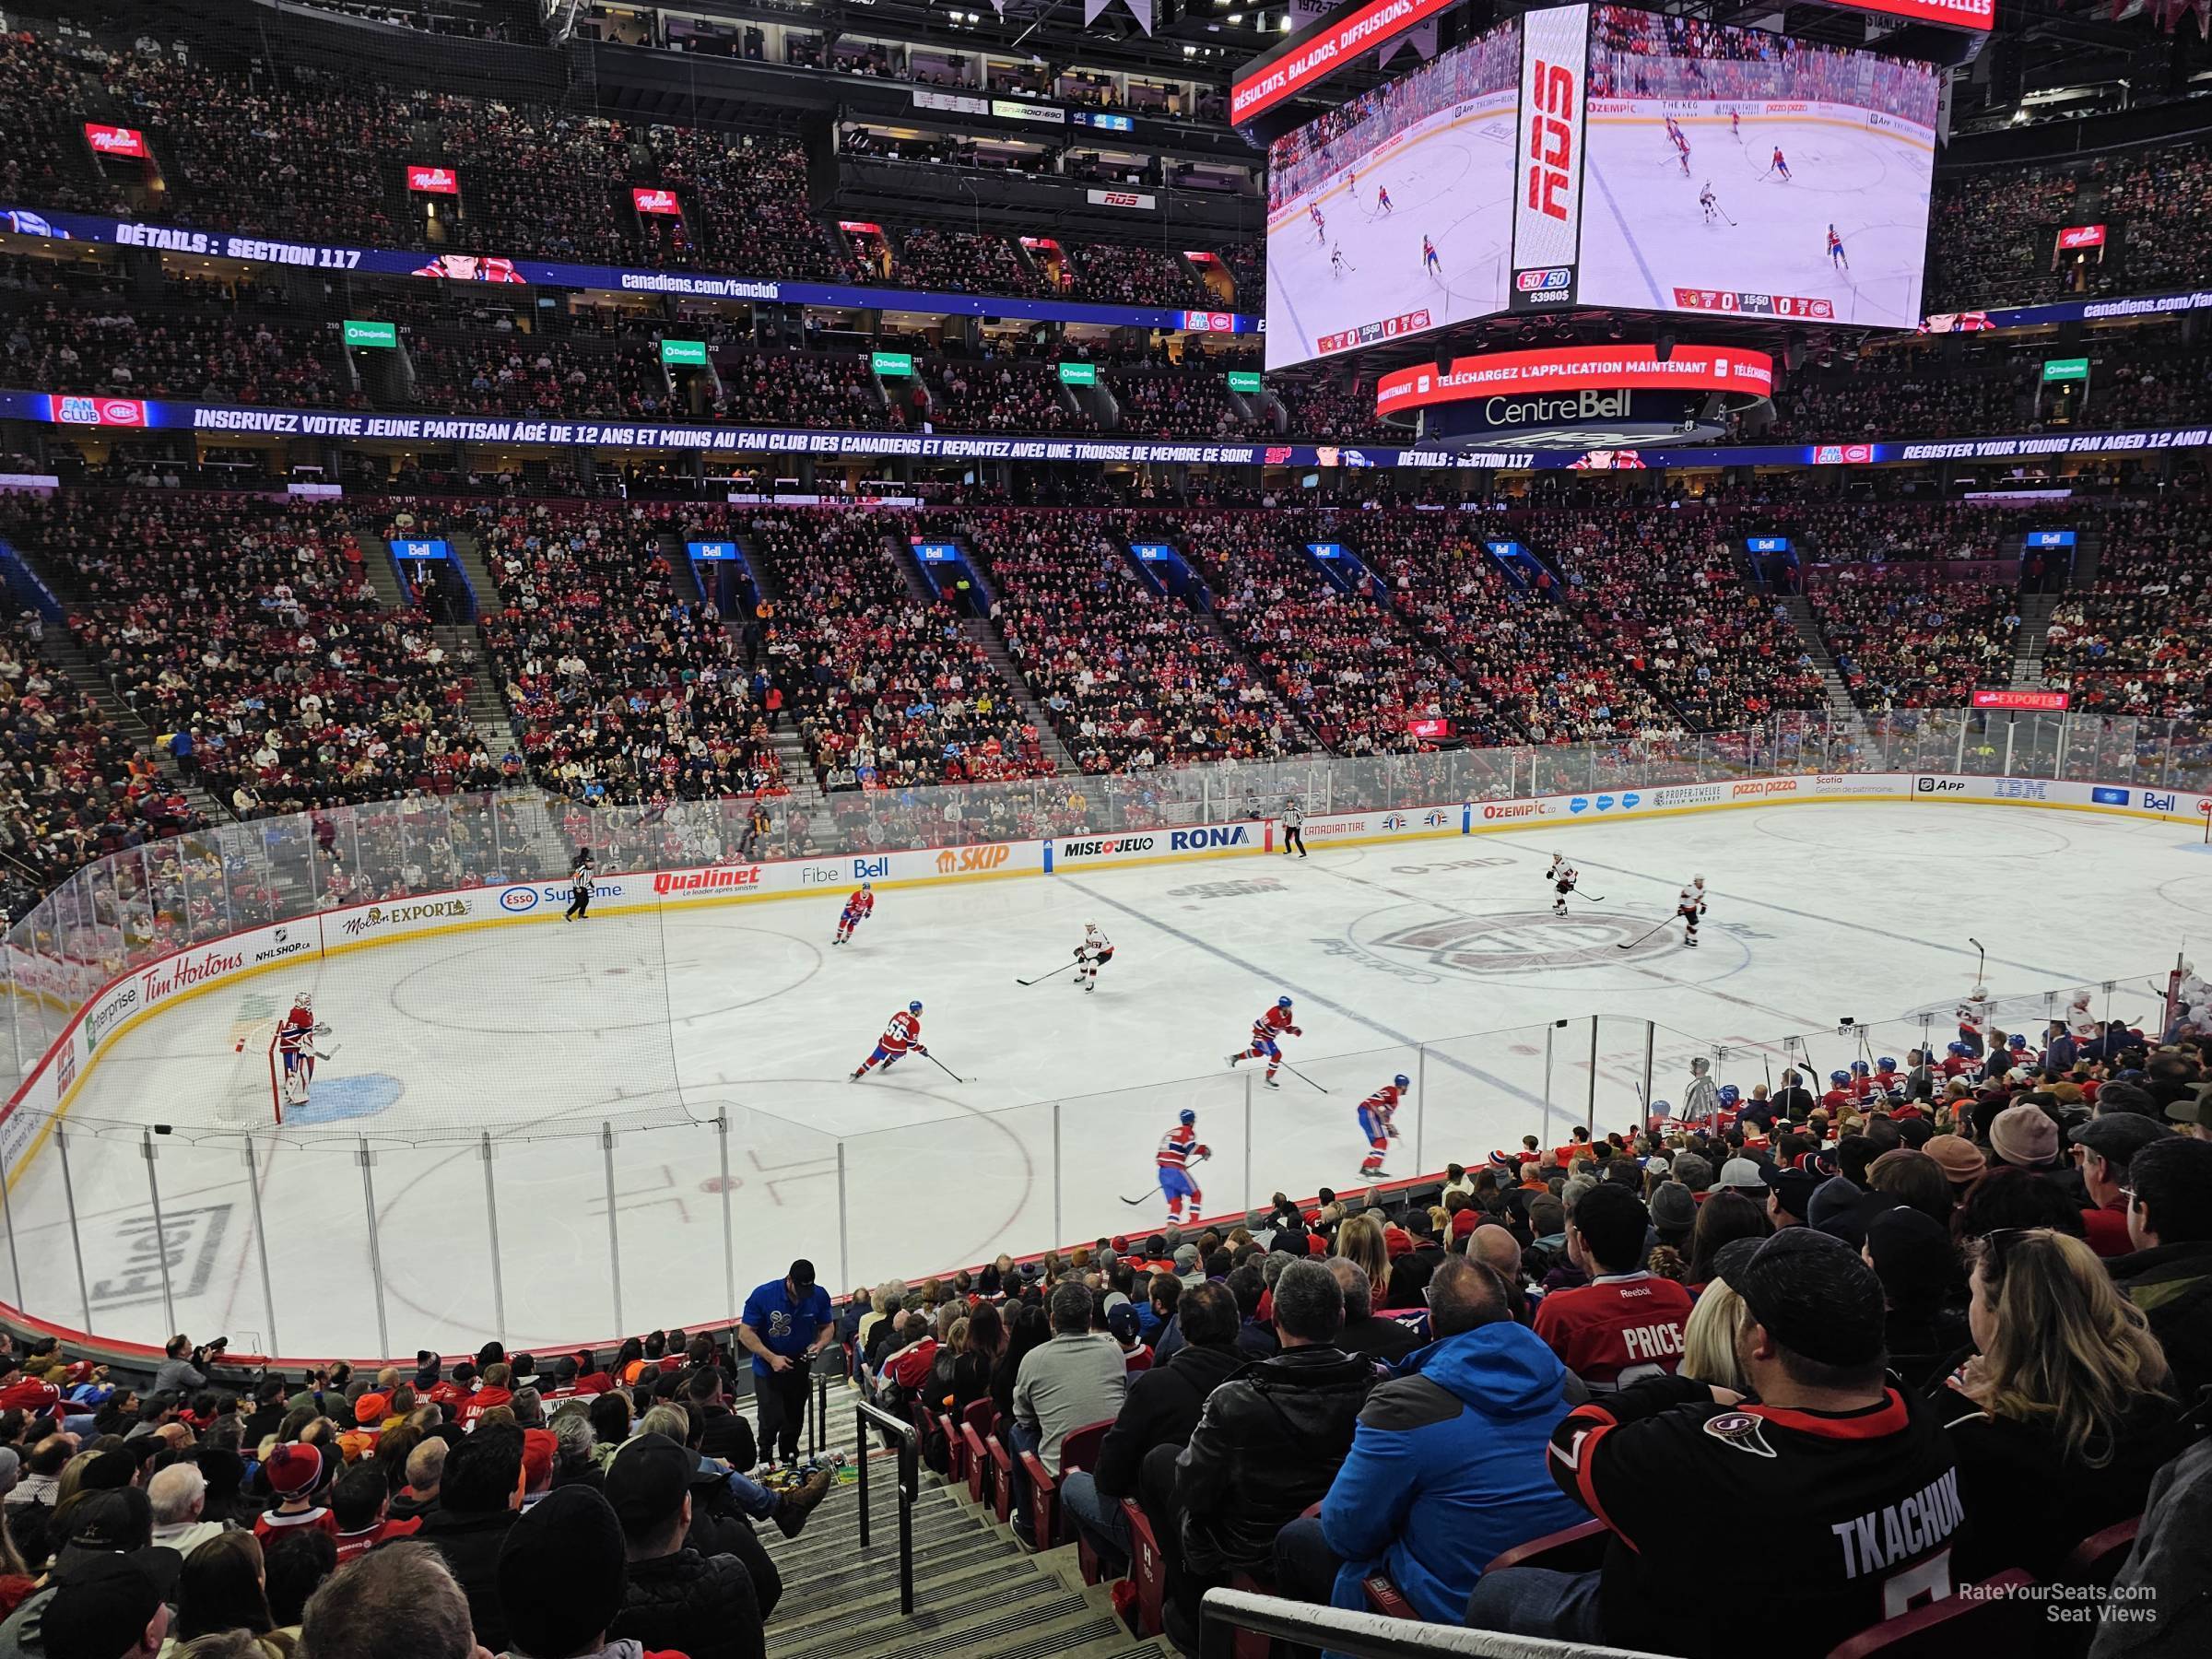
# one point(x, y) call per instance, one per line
point(293, 1052)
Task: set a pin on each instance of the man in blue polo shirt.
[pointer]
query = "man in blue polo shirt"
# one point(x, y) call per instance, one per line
point(787, 1322)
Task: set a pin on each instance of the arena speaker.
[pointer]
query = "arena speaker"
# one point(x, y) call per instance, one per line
point(1664, 346)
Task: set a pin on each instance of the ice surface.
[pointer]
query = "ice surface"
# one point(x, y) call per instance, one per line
point(1644, 235)
point(1450, 179)
point(537, 1035)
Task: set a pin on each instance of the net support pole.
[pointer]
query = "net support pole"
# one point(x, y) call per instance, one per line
point(491, 1224)
point(844, 1265)
point(261, 1239)
point(729, 1243)
point(153, 1193)
point(376, 1255)
point(14, 1260)
point(77, 1241)
point(1589, 1105)
point(614, 1231)
point(1421, 1116)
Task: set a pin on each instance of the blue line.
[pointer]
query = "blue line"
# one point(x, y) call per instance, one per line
point(1314, 996)
point(1635, 252)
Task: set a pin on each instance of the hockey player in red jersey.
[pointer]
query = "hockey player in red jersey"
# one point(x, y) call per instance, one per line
point(1265, 1030)
point(1839, 1094)
point(295, 1044)
point(859, 907)
point(903, 1034)
point(1178, 1149)
point(1375, 1114)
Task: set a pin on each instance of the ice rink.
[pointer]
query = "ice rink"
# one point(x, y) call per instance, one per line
point(537, 1035)
point(1450, 177)
point(1644, 235)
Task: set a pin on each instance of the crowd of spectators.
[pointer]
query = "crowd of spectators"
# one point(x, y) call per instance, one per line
point(1662, 594)
point(887, 688)
point(624, 691)
point(517, 374)
point(2131, 645)
point(1346, 663)
point(73, 786)
point(931, 257)
point(1981, 1278)
point(747, 195)
point(107, 348)
point(1129, 677)
point(805, 388)
point(1333, 410)
point(1001, 396)
point(1123, 274)
point(1994, 233)
point(1176, 405)
point(1905, 639)
point(248, 627)
point(1530, 655)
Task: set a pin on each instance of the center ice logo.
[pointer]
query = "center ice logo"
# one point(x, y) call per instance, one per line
point(1483, 946)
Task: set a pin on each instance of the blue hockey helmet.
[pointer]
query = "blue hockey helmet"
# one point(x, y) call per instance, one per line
point(1189, 1116)
point(1402, 1081)
point(1282, 1002)
point(1839, 1077)
point(2018, 1040)
point(1960, 1048)
point(1859, 1067)
point(1663, 1108)
point(1885, 1064)
point(913, 1008)
point(867, 887)
point(1730, 1094)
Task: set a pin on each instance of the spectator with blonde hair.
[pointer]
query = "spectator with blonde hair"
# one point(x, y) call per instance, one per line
point(2064, 1415)
point(1360, 1242)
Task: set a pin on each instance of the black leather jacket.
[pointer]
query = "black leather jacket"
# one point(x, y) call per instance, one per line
point(1267, 1445)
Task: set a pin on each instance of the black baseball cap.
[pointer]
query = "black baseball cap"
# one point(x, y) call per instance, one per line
point(1816, 1297)
point(1793, 1188)
point(647, 1480)
point(802, 1274)
point(100, 1609)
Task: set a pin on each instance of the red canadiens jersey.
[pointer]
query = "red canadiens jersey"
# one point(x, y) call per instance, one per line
point(1622, 1328)
point(1271, 1025)
point(1383, 1102)
point(1177, 1147)
point(902, 1033)
point(860, 904)
point(297, 1031)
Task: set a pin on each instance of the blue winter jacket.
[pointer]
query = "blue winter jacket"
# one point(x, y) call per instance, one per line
point(1447, 1471)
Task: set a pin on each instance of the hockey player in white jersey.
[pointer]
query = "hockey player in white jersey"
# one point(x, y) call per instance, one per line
point(2082, 1024)
point(1093, 954)
point(1974, 1020)
point(1689, 904)
point(1562, 884)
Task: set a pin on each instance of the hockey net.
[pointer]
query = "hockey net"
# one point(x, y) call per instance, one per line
point(255, 1098)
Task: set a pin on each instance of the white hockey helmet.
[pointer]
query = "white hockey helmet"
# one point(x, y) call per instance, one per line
point(306, 999)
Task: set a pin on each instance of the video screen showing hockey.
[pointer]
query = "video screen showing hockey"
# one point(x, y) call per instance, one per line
point(1733, 170)
point(1391, 214)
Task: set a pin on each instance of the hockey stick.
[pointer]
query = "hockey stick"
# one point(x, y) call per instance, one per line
point(1302, 1076)
point(1981, 957)
point(941, 1066)
point(1593, 898)
point(1634, 943)
point(1042, 977)
point(1155, 1187)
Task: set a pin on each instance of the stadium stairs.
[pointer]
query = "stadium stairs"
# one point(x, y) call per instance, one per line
point(1841, 711)
point(1013, 685)
point(2029, 643)
point(978, 1593)
point(66, 658)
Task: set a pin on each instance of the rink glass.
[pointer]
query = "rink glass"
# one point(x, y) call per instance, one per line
point(534, 1249)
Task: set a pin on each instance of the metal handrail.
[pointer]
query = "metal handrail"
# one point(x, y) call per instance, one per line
point(1372, 1636)
point(909, 1487)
